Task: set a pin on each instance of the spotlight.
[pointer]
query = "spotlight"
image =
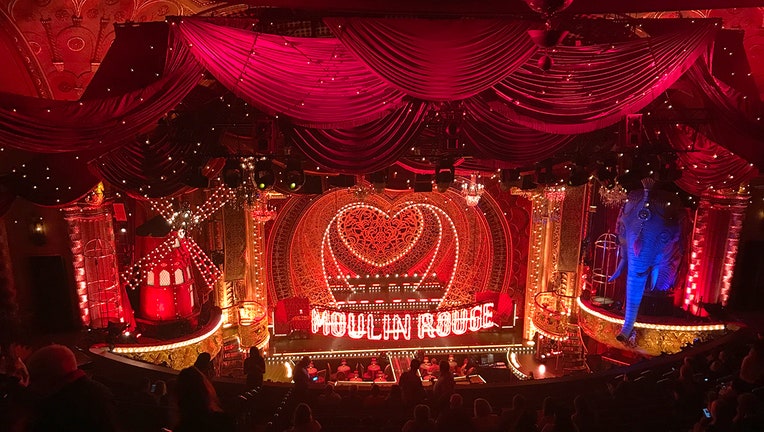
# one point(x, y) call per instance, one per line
point(294, 176)
point(444, 175)
point(379, 180)
point(452, 132)
point(263, 175)
point(232, 173)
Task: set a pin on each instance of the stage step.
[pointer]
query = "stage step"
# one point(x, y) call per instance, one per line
point(573, 350)
point(232, 359)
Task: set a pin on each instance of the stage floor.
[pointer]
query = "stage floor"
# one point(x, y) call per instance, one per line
point(319, 344)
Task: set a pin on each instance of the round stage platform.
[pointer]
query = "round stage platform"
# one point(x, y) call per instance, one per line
point(653, 335)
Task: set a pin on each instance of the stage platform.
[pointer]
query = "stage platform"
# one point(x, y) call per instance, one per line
point(289, 346)
point(485, 349)
point(653, 335)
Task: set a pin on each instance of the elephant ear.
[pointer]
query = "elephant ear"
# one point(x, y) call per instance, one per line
point(637, 246)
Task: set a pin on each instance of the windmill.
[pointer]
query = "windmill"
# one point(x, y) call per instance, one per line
point(164, 275)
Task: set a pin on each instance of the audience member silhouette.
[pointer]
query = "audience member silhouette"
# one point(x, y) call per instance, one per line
point(749, 416)
point(752, 366)
point(198, 404)
point(562, 421)
point(546, 415)
point(301, 378)
point(421, 421)
point(374, 399)
point(303, 421)
point(455, 418)
point(204, 364)
point(518, 418)
point(329, 398)
point(412, 390)
point(444, 387)
point(66, 398)
point(484, 419)
point(352, 401)
point(254, 368)
point(584, 417)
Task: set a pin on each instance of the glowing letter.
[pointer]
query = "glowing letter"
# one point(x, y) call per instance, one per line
point(476, 314)
point(356, 326)
point(443, 328)
point(370, 332)
point(386, 327)
point(398, 327)
point(319, 319)
point(425, 326)
point(459, 320)
point(339, 324)
point(488, 315)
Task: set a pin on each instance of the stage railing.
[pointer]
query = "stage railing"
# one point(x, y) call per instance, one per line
point(552, 314)
point(253, 325)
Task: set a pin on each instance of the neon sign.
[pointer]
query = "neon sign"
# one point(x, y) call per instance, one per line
point(424, 325)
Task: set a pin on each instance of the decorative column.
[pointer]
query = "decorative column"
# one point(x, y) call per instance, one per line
point(253, 310)
point(543, 247)
point(99, 294)
point(713, 249)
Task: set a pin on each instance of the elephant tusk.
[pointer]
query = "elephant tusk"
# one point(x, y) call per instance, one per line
point(618, 270)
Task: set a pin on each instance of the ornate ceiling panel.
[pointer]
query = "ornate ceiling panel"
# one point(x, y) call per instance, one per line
point(69, 38)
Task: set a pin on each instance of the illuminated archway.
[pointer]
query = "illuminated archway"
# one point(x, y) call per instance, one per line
point(341, 238)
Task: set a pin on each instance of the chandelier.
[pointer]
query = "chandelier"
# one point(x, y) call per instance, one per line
point(262, 211)
point(613, 197)
point(472, 191)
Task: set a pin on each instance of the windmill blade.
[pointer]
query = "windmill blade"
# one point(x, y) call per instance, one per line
point(134, 275)
point(209, 271)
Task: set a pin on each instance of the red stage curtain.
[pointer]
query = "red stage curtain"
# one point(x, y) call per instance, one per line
point(592, 87)
point(314, 81)
point(361, 149)
point(707, 164)
point(437, 60)
point(49, 126)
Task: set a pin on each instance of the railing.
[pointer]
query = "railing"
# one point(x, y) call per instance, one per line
point(552, 314)
point(253, 324)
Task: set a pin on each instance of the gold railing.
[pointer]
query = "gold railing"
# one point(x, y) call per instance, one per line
point(551, 314)
point(253, 324)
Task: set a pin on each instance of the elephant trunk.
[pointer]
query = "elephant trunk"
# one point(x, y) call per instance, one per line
point(637, 283)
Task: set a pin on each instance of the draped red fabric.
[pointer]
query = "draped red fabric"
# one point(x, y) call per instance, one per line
point(365, 148)
point(437, 60)
point(314, 81)
point(592, 87)
point(705, 163)
point(155, 169)
point(728, 125)
point(63, 126)
point(495, 137)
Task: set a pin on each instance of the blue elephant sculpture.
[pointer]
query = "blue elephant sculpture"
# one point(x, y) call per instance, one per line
point(650, 228)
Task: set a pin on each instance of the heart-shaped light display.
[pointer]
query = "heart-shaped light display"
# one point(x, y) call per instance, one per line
point(382, 238)
point(375, 237)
